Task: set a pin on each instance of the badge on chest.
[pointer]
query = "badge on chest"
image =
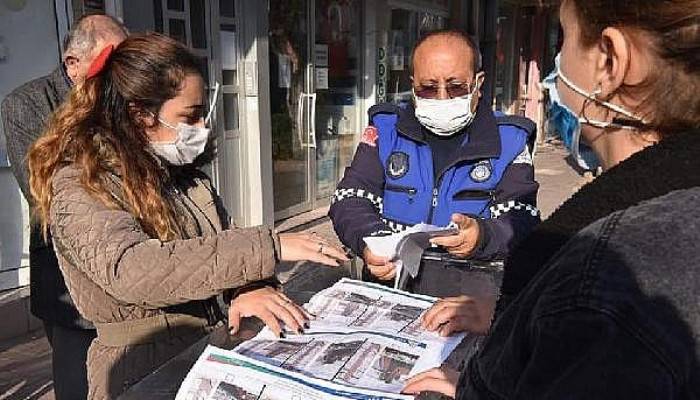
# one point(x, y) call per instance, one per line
point(481, 172)
point(397, 165)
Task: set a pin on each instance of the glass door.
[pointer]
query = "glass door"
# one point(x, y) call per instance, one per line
point(337, 78)
point(291, 104)
point(315, 75)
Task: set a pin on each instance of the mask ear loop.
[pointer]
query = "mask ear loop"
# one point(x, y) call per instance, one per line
point(617, 122)
point(477, 85)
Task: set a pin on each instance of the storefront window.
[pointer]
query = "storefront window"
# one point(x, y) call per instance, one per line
point(407, 27)
point(336, 83)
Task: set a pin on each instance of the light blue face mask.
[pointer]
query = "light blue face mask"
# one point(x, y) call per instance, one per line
point(567, 124)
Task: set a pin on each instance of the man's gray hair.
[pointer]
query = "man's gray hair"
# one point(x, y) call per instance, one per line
point(88, 29)
point(455, 34)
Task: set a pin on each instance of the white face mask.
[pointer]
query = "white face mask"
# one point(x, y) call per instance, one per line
point(187, 146)
point(446, 117)
point(190, 141)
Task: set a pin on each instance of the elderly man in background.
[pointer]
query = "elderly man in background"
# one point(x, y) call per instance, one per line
point(25, 112)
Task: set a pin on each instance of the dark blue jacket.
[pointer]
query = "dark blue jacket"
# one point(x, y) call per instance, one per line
point(391, 183)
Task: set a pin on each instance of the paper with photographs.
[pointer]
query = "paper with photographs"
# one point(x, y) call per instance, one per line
point(225, 375)
point(364, 336)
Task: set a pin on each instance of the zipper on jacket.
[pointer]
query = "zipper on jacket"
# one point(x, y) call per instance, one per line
point(411, 192)
point(436, 193)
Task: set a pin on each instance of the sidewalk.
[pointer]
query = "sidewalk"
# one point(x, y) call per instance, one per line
point(25, 362)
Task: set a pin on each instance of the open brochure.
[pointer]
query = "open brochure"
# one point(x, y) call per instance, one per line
point(364, 343)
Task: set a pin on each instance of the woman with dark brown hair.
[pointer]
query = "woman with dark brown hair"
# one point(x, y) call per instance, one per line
point(601, 301)
point(141, 237)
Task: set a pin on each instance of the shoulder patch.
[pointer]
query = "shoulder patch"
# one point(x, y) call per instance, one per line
point(370, 136)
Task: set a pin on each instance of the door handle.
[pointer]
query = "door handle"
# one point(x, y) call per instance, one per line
point(300, 118)
point(312, 122)
point(310, 133)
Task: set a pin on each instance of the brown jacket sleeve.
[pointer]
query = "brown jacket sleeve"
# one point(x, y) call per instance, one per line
point(110, 248)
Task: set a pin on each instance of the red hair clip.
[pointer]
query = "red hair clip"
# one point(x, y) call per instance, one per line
point(98, 64)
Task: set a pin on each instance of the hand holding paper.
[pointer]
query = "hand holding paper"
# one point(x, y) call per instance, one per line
point(379, 267)
point(465, 241)
point(404, 249)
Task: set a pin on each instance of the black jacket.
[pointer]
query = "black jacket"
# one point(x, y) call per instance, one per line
point(25, 113)
point(355, 218)
point(612, 312)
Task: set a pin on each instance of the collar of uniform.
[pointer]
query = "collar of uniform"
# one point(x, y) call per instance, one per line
point(484, 140)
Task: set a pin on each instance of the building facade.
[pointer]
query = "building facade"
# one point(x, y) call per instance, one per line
point(528, 38)
point(297, 78)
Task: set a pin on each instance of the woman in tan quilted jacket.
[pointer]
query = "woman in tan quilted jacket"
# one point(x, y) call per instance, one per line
point(141, 238)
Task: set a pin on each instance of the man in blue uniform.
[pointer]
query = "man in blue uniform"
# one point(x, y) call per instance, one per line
point(445, 158)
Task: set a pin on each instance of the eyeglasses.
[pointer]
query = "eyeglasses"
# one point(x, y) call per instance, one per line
point(454, 89)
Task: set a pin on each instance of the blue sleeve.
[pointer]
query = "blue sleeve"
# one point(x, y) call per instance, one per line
point(514, 213)
point(356, 207)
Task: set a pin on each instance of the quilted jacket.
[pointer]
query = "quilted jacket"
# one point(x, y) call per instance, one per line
point(116, 272)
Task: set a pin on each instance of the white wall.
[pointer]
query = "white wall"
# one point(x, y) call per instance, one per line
point(30, 46)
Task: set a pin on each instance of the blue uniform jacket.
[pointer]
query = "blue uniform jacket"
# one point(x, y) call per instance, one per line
point(391, 184)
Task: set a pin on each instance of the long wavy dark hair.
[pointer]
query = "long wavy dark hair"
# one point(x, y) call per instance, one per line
point(100, 130)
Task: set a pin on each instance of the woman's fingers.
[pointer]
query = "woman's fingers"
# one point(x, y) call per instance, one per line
point(335, 252)
point(451, 315)
point(429, 316)
point(452, 326)
point(302, 246)
point(323, 259)
point(441, 314)
point(431, 385)
point(297, 313)
point(324, 253)
point(305, 314)
point(283, 314)
point(271, 321)
point(434, 380)
point(234, 319)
